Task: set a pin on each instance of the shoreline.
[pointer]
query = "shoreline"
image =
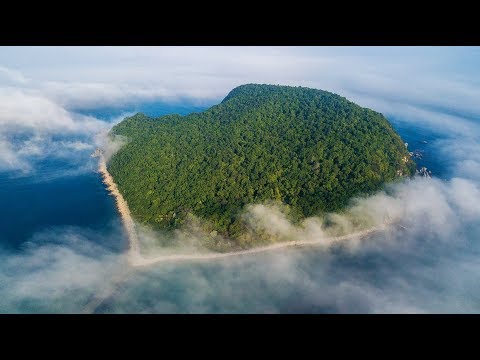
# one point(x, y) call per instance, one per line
point(143, 262)
point(122, 207)
point(135, 259)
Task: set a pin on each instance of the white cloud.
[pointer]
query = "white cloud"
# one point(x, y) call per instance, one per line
point(26, 111)
point(77, 145)
point(11, 76)
point(397, 81)
point(58, 272)
point(9, 159)
point(428, 264)
point(400, 80)
point(28, 122)
point(40, 89)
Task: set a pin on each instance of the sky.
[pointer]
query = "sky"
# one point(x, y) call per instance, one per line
point(42, 89)
point(45, 93)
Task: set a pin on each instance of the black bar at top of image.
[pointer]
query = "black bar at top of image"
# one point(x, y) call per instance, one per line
point(240, 23)
point(246, 26)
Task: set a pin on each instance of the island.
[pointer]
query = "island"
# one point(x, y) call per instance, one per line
point(309, 151)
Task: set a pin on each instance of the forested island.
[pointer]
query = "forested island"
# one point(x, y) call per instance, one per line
point(309, 150)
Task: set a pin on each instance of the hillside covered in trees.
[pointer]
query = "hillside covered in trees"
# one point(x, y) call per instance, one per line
point(308, 149)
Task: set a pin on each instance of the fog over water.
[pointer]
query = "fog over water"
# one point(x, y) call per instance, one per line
point(62, 243)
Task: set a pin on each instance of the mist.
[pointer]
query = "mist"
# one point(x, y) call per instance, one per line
point(426, 261)
point(51, 96)
point(428, 264)
point(57, 271)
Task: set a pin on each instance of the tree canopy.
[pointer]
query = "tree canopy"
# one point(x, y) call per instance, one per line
point(309, 149)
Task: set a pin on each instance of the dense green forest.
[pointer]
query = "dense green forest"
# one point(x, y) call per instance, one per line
point(308, 149)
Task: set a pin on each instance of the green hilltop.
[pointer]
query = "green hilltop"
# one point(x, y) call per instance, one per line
point(308, 149)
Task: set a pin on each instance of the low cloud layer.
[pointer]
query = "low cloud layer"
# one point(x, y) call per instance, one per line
point(34, 127)
point(428, 264)
point(58, 271)
point(44, 97)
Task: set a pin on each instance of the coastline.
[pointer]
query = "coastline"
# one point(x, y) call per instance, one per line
point(122, 206)
point(143, 262)
point(135, 259)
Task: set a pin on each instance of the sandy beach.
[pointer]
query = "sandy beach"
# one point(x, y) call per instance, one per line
point(122, 206)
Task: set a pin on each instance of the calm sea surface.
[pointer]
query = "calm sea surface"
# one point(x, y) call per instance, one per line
point(65, 192)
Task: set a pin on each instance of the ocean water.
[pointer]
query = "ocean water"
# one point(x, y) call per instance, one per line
point(50, 198)
point(64, 203)
point(68, 191)
point(425, 141)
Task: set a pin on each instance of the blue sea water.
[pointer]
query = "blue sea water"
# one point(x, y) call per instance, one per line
point(150, 108)
point(50, 198)
point(66, 192)
point(425, 140)
point(69, 194)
